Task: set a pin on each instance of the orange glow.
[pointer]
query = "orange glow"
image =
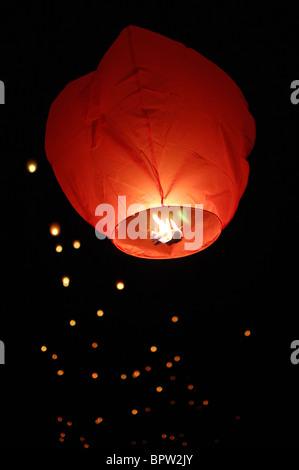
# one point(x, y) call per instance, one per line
point(148, 368)
point(44, 348)
point(76, 244)
point(54, 356)
point(177, 358)
point(94, 375)
point(55, 229)
point(171, 438)
point(94, 345)
point(82, 438)
point(191, 402)
point(61, 439)
point(65, 281)
point(205, 402)
point(154, 348)
point(190, 387)
point(134, 412)
point(100, 313)
point(60, 372)
point(164, 436)
point(184, 443)
point(31, 166)
point(247, 333)
point(174, 319)
point(72, 323)
point(147, 409)
point(123, 376)
point(135, 374)
point(69, 423)
point(159, 389)
point(86, 446)
point(62, 434)
point(168, 364)
point(58, 248)
point(59, 419)
point(98, 420)
point(120, 285)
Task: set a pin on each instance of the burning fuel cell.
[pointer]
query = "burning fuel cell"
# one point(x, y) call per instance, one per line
point(167, 229)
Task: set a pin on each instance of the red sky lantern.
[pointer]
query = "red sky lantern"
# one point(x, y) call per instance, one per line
point(157, 125)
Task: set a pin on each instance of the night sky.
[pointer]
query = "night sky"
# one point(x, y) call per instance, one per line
point(222, 388)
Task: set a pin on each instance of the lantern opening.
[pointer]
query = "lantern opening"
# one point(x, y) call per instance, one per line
point(149, 241)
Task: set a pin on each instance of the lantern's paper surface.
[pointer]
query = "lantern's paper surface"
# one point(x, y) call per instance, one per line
point(158, 123)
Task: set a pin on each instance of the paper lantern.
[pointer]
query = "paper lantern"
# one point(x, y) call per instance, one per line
point(157, 125)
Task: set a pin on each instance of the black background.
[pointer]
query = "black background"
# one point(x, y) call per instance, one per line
point(246, 280)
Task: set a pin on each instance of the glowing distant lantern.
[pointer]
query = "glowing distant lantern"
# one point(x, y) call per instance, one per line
point(55, 229)
point(136, 374)
point(159, 126)
point(65, 281)
point(31, 166)
point(120, 285)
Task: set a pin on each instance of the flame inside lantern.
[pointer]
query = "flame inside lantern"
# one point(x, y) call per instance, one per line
point(167, 230)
